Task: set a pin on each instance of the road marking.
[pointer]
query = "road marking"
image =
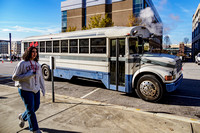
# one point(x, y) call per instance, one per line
point(186, 97)
point(90, 93)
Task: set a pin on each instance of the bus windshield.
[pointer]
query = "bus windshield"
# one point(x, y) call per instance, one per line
point(138, 46)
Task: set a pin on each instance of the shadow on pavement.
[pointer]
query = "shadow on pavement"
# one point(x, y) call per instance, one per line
point(56, 131)
point(82, 82)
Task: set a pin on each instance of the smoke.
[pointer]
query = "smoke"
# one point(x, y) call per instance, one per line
point(147, 16)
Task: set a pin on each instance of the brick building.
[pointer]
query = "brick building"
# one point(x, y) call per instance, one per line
point(77, 13)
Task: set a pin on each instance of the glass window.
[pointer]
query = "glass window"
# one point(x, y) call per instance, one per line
point(73, 46)
point(98, 45)
point(122, 47)
point(113, 48)
point(48, 47)
point(56, 46)
point(64, 46)
point(133, 44)
point(42, 46)
point(84, 46)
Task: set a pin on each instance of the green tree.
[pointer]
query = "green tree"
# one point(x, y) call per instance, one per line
point(134, 21)
point(98, 21)
point(71, 28)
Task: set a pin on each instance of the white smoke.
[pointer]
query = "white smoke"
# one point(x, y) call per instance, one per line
point(147, 16)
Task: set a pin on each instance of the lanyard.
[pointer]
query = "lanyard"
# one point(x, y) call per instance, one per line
point(34, 70)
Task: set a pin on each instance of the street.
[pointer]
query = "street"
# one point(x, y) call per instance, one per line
point(185, 101)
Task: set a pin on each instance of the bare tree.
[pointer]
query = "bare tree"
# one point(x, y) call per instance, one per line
point(186, 40)
point(167, 41)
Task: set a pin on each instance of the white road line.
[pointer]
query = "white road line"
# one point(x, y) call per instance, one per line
point(186, 97)
point(90, 93)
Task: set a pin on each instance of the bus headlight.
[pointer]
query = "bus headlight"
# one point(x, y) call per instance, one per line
point(169, 78)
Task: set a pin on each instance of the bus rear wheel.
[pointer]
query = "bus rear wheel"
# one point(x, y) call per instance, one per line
point(46, 72)
point(149, 88)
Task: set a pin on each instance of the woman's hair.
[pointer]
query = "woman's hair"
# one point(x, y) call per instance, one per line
point(28, 53)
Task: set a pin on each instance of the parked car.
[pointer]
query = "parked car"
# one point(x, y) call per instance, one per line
point(197, 59)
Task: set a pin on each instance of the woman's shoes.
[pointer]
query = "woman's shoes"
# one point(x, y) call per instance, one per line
point(21, 122)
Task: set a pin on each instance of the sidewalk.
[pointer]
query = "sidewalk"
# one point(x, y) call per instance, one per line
point(72, 115)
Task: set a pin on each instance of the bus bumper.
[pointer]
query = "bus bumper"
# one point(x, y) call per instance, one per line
point(173, 86)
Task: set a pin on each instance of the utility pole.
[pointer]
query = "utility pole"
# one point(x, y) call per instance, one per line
point(10, 44)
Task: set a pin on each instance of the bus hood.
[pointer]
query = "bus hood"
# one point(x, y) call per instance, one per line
point(160, 59)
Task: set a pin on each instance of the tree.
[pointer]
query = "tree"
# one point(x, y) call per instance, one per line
point(186, 40)
point(134, 21)
point(70, 28)
point(167, 41)
point(98, 21)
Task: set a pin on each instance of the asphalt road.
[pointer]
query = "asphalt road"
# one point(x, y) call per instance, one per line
point(185, 101)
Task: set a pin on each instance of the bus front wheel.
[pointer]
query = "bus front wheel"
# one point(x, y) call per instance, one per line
point(149, 88)
point(46, 72)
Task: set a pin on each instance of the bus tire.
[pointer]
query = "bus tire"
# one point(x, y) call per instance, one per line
point(149, 88)
point(46, 72)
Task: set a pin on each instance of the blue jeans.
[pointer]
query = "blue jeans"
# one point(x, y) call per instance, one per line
point(32, 103)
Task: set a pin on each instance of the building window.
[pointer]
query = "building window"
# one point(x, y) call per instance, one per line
point(84, 46)
point(56, 46)
point(64, 21)
point(48, 46)
point(98, 45)
point(73, 46)
point(64, 46)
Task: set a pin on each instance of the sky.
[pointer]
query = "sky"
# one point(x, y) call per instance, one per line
point(24, 18)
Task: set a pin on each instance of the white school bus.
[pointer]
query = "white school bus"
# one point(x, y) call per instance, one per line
point(120, 57)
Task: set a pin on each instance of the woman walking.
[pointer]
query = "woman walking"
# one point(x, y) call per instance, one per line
point(29, 80)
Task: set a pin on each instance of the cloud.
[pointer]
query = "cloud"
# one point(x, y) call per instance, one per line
point(161, 4)
point(173, 17)
point(44, 30)
point(183, 9)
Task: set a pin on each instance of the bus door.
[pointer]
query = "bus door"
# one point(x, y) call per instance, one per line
point(117, 64)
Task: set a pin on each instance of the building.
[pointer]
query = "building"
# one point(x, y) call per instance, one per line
point(196, 32)
point(181, 49)
point(4, 49)
point(77, 13)
point(16, 48)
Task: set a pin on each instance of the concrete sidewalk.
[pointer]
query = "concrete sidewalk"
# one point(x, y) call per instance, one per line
point(71, 115)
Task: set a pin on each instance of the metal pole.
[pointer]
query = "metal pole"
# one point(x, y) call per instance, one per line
point(10, 44)
point(117, 63)
point(52, 78)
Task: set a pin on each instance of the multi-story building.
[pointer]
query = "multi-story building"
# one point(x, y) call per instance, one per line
point(16, 48)
point(4, 48)
point(196, 32)
point(77, 13)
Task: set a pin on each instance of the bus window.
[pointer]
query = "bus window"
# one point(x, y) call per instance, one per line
point(25, 46)
point(48, 46)
point(84, 46)
point(73, 46)
point(64, 46)
point(98, 45)
point(121, 47)
point(56, 46)
point(133, 45)
point(42, 46)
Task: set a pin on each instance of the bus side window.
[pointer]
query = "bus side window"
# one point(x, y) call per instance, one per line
point(98, 45)
point(132, 46)
point(73, 46)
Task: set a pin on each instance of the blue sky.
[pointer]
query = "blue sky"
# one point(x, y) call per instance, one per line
point(25, 18)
